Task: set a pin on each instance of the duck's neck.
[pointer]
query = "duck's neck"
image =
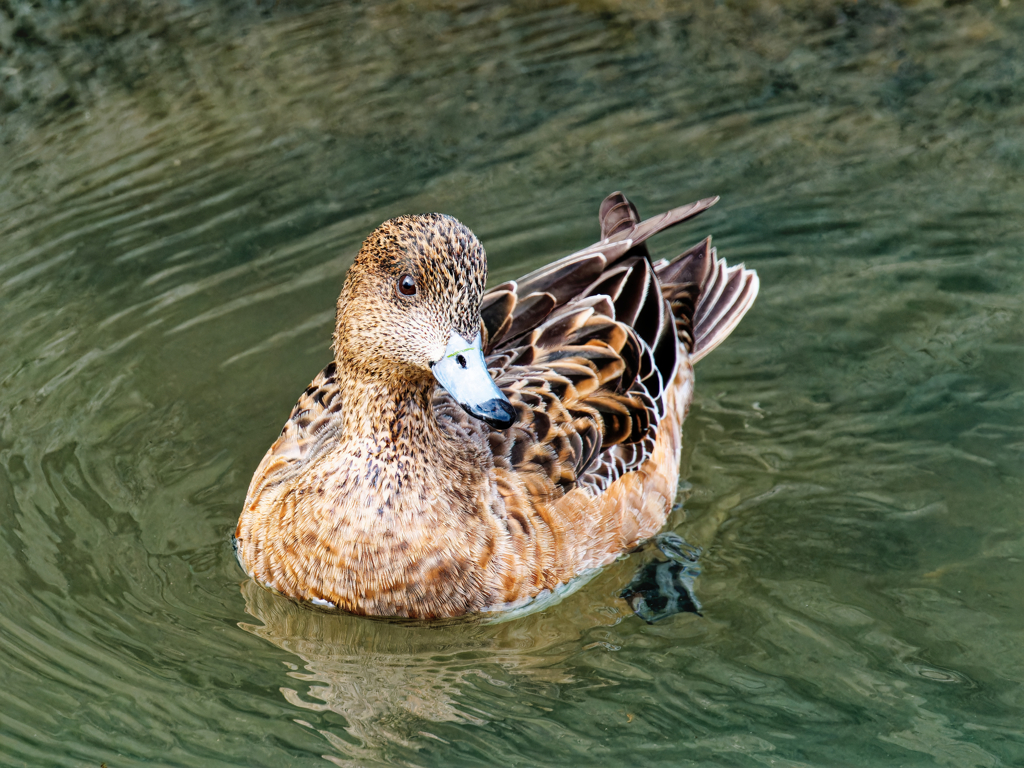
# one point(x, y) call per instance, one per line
point(392, 413)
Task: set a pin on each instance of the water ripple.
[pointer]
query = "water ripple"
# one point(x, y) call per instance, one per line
point(171, 248)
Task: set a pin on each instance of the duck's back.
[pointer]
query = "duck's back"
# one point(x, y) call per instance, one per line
point(596, 354)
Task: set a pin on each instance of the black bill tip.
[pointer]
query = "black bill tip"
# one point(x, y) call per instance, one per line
point(498, 413)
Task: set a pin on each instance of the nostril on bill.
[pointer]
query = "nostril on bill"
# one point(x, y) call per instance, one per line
point(461, 361)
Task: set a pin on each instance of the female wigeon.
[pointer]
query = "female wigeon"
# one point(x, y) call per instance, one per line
point(467, 451)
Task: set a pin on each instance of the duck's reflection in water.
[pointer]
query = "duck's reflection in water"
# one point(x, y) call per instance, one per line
point(389, 681)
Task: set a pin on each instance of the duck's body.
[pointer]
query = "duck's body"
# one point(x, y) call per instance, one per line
point(384, 497)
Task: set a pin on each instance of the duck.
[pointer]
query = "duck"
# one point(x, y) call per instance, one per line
point(469, 451)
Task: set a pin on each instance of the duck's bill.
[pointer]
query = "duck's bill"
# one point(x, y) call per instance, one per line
point(463, 373)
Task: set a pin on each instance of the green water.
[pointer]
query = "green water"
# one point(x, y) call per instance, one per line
point(180, 195)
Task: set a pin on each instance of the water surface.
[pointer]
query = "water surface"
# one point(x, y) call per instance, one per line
point(177, 213)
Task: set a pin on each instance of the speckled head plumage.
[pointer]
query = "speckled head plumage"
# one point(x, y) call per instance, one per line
point(378, 325)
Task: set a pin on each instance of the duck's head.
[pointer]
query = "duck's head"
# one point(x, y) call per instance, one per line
point(410, 308)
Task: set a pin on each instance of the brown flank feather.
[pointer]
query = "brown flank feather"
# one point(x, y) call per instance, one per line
point(383, 497)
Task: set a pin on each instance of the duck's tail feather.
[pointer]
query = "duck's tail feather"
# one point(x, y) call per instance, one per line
point(708, 297)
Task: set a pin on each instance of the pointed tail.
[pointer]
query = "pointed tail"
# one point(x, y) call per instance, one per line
point(705, 317)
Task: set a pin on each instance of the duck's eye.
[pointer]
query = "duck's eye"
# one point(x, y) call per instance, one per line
point(406, 285)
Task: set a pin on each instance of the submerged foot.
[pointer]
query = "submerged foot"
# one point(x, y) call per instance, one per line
point(663, 588)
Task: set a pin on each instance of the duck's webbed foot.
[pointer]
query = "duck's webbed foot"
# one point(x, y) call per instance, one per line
point(663, 588)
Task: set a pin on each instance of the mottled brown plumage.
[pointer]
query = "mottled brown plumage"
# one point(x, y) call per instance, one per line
point(383, 497)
